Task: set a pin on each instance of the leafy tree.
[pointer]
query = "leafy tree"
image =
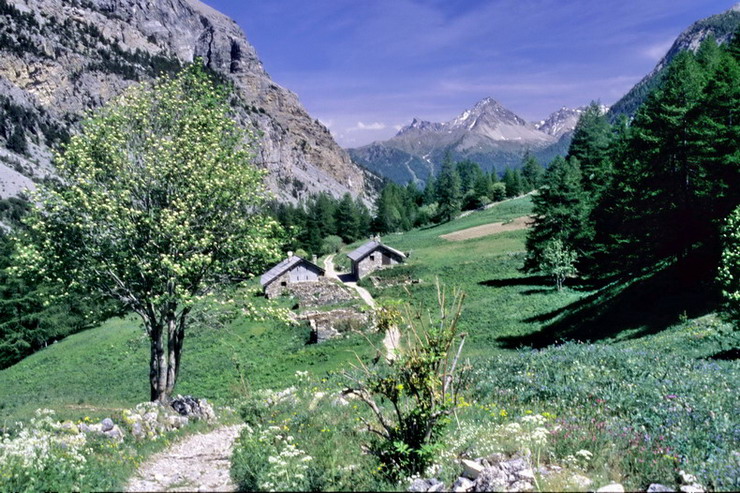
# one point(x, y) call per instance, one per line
point(161, 205)
point(331, 244)
point(558, 261)
point(498, 192)
point(729, 272)
point(449, 194)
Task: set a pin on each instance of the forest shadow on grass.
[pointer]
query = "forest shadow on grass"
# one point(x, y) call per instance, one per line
point(630, 309)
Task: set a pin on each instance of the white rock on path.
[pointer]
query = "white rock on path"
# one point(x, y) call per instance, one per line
point(198, 462)
point(611, 488)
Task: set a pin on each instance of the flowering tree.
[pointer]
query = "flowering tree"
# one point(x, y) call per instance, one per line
point(729, 270)
point(159, 203)
point(558, 261)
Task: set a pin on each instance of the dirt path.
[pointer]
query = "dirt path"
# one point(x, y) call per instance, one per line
point(392, 336)
point(488, 229)
point(197, 463)
point(329, 267)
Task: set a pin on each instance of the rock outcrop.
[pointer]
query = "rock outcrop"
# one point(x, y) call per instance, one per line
point(60, 58)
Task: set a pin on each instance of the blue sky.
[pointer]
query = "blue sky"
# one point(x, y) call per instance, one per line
point(367, 67)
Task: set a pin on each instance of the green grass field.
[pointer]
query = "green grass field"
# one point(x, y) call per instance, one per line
point(643, 328)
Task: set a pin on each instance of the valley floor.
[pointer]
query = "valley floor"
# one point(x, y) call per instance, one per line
point(647, 383)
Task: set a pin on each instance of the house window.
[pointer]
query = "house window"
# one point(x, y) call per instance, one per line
point(372, 257)
point(283, 283)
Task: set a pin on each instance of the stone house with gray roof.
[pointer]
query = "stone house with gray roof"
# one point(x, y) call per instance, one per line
point(372, 256)
point(292, 270)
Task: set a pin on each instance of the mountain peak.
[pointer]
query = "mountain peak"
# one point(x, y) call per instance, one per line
point(420, 125)
point(486, 112)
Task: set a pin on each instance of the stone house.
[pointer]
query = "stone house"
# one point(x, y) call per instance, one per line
point(372, 256)
point(292, 270)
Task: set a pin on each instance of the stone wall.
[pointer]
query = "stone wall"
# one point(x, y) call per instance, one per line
point(372, 262)
point(278, 285)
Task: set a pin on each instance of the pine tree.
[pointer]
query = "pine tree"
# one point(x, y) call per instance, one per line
point(513, 181)
point(652, 211)
point(430, 190)
point(532, 172)
point(346, 219)
point(448, 191)
point(590, 145)
point(560, 212)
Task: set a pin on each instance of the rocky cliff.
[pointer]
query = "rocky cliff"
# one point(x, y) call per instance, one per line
point(721, 27)
point(59, 58)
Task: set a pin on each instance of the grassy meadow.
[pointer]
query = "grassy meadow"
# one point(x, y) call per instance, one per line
point(647, 384)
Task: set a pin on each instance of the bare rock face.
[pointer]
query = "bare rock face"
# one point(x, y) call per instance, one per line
point(59, 58)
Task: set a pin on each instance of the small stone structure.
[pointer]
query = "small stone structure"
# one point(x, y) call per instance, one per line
point(335, 323)
point(322, 292)
point(292, 270)
point(372, 256)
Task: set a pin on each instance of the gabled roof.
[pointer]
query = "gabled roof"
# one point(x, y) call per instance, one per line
point(283, 267)
point(371, 246)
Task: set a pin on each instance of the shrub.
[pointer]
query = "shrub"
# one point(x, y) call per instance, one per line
point(412, 395)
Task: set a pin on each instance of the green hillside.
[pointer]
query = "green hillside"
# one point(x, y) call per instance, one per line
point(106, 368)
point(640, 358)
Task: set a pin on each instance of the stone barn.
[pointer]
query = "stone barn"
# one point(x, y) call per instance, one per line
point(372, 256)
point(292, 270)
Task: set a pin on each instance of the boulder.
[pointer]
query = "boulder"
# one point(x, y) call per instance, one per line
point(193, 408)
point(115, 433)
point(137, 430)
point(691, 488)
point(686, 478)
point(471, 469)
point(463, 484)
point(419, 485)
point(611, 488)
point(659, 488)
point(521, 486)
point(107, 424)
point(492, 479)
point(69, 427)
point(580, 482)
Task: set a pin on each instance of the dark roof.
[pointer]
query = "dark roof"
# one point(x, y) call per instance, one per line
point(371, 246)
point(283, 267)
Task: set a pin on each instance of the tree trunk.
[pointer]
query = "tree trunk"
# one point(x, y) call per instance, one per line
point(164, 363)
point(157, 361)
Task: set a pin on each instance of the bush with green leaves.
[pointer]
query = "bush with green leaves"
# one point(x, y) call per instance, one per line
point(729, 271)
point(304, 438)
point(558, 261)
point(413, 392)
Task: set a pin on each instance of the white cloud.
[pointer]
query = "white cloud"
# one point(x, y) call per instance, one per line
point(367, 126)
point(327, 123)
point(657, 50)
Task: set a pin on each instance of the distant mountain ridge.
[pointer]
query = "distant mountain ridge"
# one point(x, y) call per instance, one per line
point(721, 26)
point(60, 58)
point(488, 133)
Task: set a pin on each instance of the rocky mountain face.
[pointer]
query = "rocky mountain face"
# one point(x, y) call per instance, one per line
point(488, 133)
point(59, 58)
point(720, 26)
point(560, 122)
